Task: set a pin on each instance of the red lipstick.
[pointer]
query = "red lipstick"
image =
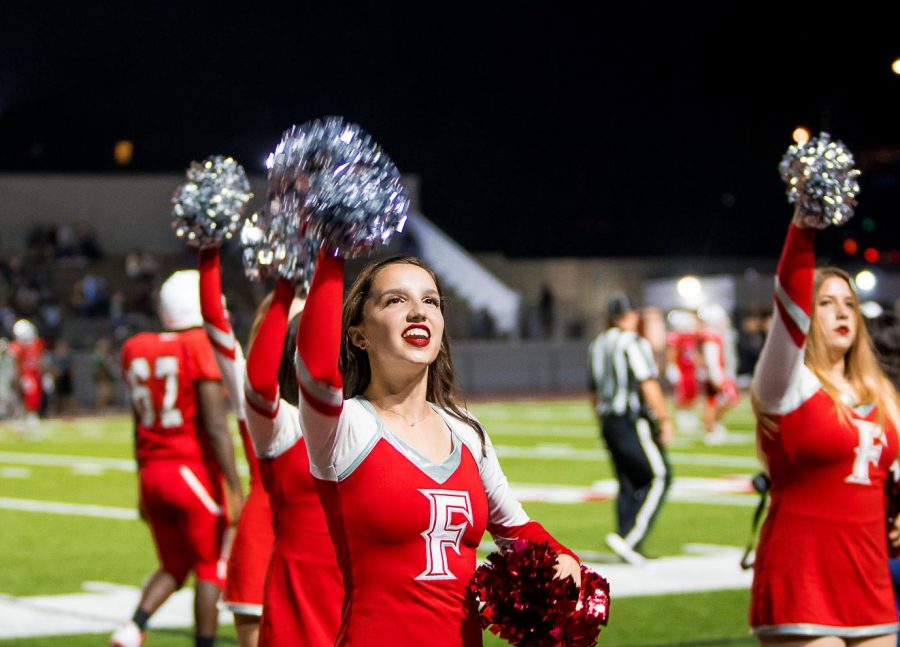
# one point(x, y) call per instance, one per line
point(417, 335)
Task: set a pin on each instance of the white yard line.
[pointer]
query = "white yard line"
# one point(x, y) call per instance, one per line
point(93, 465)
point(71, 509)
point(101, 607)
point(714, 491)
point(561, 452)
point(546, 451)
point(66, 460)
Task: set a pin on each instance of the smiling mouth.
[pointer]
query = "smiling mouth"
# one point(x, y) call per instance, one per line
point(418, 336)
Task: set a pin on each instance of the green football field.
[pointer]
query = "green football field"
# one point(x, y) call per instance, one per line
point(68, 529)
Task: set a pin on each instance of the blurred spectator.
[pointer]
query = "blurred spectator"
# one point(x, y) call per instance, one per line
point(60, 365)
point(66, 242)
point(89, 296)
point(750, 342)
point(88, 246)
point(149, 266)
point(9, 382)
point(546, 311)
point(482, 326)
point(133, 264)
point(103, 364)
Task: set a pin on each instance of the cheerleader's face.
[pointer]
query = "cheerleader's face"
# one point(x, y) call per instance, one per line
point(837, 315)
point(402, 319)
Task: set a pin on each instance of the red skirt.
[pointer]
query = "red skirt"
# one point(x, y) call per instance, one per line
point(246, 579)
point(820, 577)
point(304, 593)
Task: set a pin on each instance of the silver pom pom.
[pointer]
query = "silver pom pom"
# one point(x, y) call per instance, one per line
point(273, 247)
point(338, 184)
point(254, 249)
point(207, 208)
point(821, 180)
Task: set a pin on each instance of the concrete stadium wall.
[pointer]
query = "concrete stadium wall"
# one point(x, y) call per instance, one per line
point(483, 368)
point(126, 210)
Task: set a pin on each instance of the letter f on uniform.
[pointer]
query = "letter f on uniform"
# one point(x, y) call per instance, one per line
point(868, 452)
point(442, 534)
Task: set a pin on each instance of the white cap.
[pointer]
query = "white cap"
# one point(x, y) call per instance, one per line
point(24, 331)
point(179, 301)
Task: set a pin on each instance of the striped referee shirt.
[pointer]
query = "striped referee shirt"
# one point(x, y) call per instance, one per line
point(620, 360)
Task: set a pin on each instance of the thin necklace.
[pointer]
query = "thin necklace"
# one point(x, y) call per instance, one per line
point(400, 415)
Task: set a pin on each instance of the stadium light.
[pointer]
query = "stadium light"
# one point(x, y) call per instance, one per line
point(123, 152)
point(866, 281)
point(895, 66)
point(690, 290)
point(800, 135)
point(871, 309)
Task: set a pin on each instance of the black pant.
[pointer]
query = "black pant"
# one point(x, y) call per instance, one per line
point(643, 471)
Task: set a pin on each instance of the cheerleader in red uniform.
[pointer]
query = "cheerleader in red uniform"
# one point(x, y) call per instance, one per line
point(408, 478)
point(827, 428)
point(301, 598)
point(304, 590)
point(253, 540)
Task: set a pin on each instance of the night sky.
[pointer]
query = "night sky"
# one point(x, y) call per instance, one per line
point(536, 128)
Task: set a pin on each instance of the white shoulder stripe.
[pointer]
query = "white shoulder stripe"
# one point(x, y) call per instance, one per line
point(222, 338)
point(259, 401)
point(324, 393)
point(795, 311)
point(804, 385)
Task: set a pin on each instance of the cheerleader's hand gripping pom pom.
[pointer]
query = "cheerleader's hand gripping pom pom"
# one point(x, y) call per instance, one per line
point(207, 209)
point(338, 185)
point(273, 247)
point(520, 600)
point(821, 180)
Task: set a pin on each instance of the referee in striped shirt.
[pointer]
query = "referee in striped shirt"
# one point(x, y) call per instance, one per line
point(634, 422)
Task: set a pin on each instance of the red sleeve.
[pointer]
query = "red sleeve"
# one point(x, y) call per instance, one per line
point(319, 334)
point(211, 300)
point(265, 353)
point(794, 286)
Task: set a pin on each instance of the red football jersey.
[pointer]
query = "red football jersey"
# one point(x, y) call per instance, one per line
point(685, 344)
point(28, 356)
point(162, 371)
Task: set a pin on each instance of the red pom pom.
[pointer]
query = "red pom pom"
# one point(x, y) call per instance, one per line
point(524, 604)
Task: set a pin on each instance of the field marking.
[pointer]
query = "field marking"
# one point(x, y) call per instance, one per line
point(559, 453)
point(69, 509)
point(103, 606)
point(705, 567)
point(716, 491)
point(15, 473)
point(547, 451)
point(83, 465)
point(99, 609)
point(67, 460)
point(731, 491)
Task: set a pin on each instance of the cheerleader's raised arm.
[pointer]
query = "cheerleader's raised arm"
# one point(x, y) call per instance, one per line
point(274, 423)
point(229, 354)
point(780, 370)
